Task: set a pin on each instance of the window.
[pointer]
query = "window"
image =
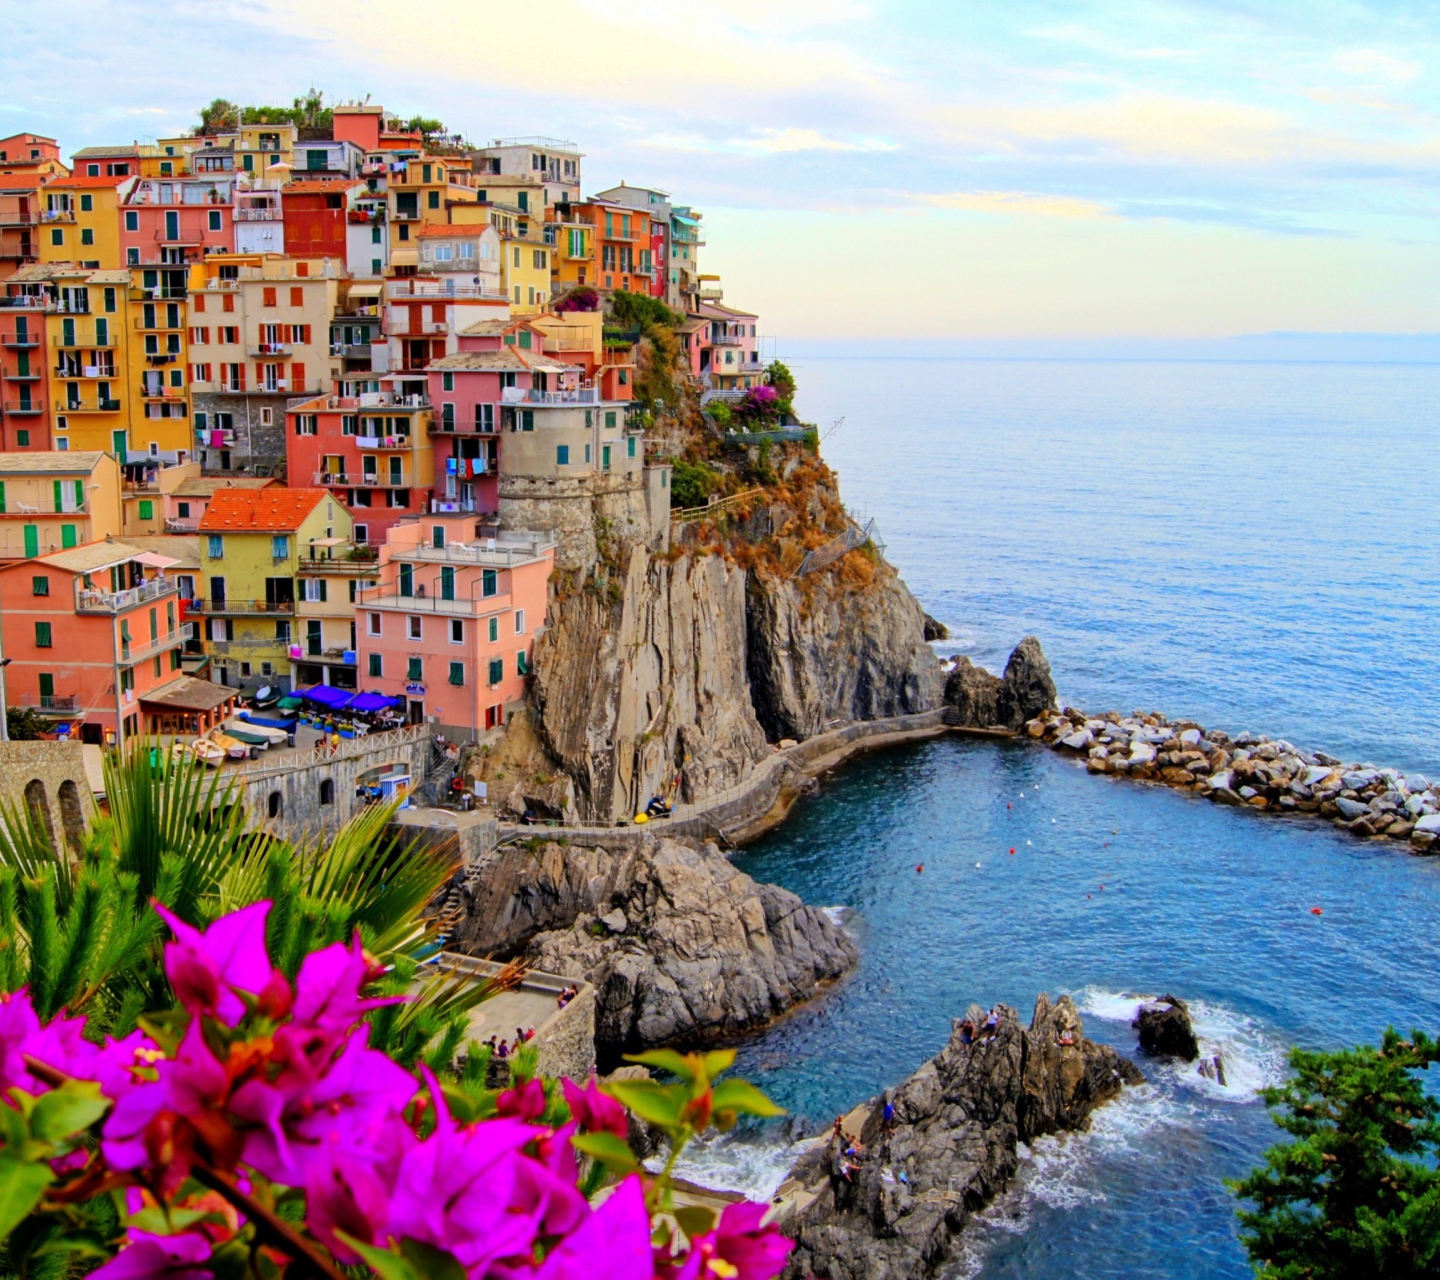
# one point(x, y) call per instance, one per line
point(605, 457)
point(447, 382)
point(40, 586)
point(216, 549)
point(327, 791)
point(280, 547)
point(630, 447)
point(489, 582)
point(376, 666)
point(87, 235)
point(562, 455)
point(87, 204)
point(373, 626)
point(22, 437)
point(215, 220)
point(457, 631)
point(132, 220)
point(494, 630)
point(268, 296)
point(297, 296)
point(413, 628)
point(415, 670)
point(522, 663)
point(497, 670)
point(147, 509)
point(307, 424)
point(57, 237)
point(457, 673)
point(519, 622)
point(282, 630)
point(42, 635)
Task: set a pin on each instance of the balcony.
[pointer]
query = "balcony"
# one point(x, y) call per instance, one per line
point(28, 302)
point(158, 293)
point(453, 506)
point(242, 608)
point(355, 559)
point(57, 215)
point(528, 395)
point(82, 371)
point(32, 376)
point(161, 323)
point(181, 526)
point(19, 339)
point(382, 442)
point(363, 480)
point(91, 601)
point(506, 552)
point(425, 329)
point(60, 704)
point(708, 294)
point(138, 652)
point(257, 215)
point(405, 215)
point(437, 290)
point(14, 507)
point(20, 408)
point(268, 349)
point(422, 602)
point(350, 350)
point(726, 340)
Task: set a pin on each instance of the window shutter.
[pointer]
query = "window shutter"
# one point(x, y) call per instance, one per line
point(59, 495)
point(322, 590)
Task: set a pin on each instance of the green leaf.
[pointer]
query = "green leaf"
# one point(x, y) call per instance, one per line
point(695, 1220)
point(667, 1060)
point(387, 1265)
point(718, 1061)
point(433, 1263)
point(744, 1097)
point(659, 1104)
point(67, 1110)
point(22, 1183)
point(614, 1153)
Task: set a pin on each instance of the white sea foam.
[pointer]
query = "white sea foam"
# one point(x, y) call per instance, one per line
point(738, 1162)
point(836, 915)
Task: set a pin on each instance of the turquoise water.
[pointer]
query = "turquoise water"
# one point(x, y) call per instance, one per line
point(1250, 545)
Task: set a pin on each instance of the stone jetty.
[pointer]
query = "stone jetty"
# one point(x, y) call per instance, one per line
point(1249, 769)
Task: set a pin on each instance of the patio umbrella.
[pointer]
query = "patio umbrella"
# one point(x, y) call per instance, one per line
point(371, 702)
point(327, 695)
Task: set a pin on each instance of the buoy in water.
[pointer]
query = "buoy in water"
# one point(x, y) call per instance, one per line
point(919, 867)
point(1012, 850)
point(977, 866)
point(1315, 911)
point(1009, 806)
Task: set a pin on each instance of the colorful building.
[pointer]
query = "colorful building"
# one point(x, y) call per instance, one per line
point(185, 503)
point(463, 255)
point(551, 162)
point(730, 347)
point(316, 213)
point(55, 501)
point(372, 452)
point(420, 194)
point(450, 626)
point(656, 206)
point(27, 162)
point(24, 383)
point(424, 315)
point(254, 544)
point(157, 391)
point(332, 573)
point(94, 636)
point(79, 219)
point(172, 221)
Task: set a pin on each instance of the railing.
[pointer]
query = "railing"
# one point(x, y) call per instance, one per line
point(822, 556)
point(33, 376)
point(82, 371)
point(57, 215)
point(19, 406)
point(528, 395)
point(63, 703)
point(268, 349)
point(453, 506)
point(257, 215)
point(158, 293)
point(727, 340)
point(733, 393)
point(382, 442)
point(438, 289)
point(161, 323)
point(92, 601)
point(181, 526)
point(320, 565)
point(363, 480)
point(426, 329)
point(14, 507)
point(688, 515)
point(506, 552)
point(28, 302)
point(463, 606)
point(133, 652)
point(350, 350)
point(376, 742)
point(220, 608)
point(19, 339)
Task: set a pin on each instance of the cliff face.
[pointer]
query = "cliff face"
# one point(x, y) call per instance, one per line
point(820, 652)
point(635, 694)
point(679, 944)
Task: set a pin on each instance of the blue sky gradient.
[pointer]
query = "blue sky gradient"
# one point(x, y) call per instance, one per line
point(1177, 169)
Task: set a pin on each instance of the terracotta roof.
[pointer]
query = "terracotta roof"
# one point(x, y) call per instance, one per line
point(495, 328)
point(506, 360)
point(453, 229)
point(319, 186)
point(204, 486)
point(718, 311)
point(49, 462)
point(259, 510)
point(90, 180)
point(117, 151)
point(185, 693)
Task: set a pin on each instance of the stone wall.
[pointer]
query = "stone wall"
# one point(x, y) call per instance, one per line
point(50, 778)
point(258, 448)
point(577, 510)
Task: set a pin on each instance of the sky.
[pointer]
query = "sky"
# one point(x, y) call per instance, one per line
point(916, 170)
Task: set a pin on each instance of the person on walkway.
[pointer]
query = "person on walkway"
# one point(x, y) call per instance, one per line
point(887, 1115)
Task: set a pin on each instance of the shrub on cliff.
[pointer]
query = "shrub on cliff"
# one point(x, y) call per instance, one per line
point(778, 375)
point(632, 310)
point(1357, 1192)
point(691, 483)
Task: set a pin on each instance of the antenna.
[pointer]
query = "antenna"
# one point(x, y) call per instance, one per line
point(833, 428)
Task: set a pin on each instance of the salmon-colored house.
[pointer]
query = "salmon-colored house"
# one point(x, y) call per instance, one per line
point(450, 627)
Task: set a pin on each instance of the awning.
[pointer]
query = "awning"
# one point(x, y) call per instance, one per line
point(185, 693)
point(327, 542)
point(327, 695)
point(372, 702)
point(405, 258)
point(362, 289)
point(154, 560)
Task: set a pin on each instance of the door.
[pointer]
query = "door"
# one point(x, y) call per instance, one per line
point(447, 582)
point(47, 689)
point(396, 472)
point(32, 541)
point(118, 445)
point(312, 637)
point(217, 592)
point(370, 466)
point(279, 592)
point(172, 224)
point(416, 712)
point(68, 536)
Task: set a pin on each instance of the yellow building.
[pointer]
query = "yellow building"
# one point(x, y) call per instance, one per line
point(525, 274)
point(572, 254)
point(259, 550)
point(52, 501)
point(157, 389)
point(80, 220)
point(422, 195)
point(331, 574)
point(89, 339)
point(147, 494)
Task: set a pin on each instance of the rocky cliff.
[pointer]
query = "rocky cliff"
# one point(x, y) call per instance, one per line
point(892, 1211)
point(984, 701)
point(680, 945)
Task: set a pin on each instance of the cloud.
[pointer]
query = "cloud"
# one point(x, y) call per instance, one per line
point(1028, 203)
point(1375, 67)
point(779, 141)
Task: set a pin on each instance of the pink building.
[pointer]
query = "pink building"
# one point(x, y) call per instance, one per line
point(176, 220)
point(451, 625)
point(499, 370)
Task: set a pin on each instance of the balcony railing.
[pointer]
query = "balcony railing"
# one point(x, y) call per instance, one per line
point(466, 606)
point(20, 407)
point(350, 350)
point(358, 560)
point(437, 290)
point(504, 554)
point(139, 651)
point(85, 371)
point(383, 442)
point(19, 339)
point(268, 349)
point(57, 215)
point(158, 293)
point(425, 329)
point(59, 703)
point(364, 479)
point(15, 507)
point(257, 215)
point(220, 608)
point(92, 601)
point(32, 376)
point(181, 526)
point(528, 395)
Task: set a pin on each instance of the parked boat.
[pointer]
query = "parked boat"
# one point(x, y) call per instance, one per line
point(254, 732)
point(232, 747)
point(285, 724)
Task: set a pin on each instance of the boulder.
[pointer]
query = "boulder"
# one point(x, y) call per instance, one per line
point(1351, 809)
point(984, 701)
point(1165, 1029)
point(975, 695)
point(934, 630)
point(894, 1210)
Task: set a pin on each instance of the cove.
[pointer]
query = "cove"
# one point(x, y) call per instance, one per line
point(1115, 888)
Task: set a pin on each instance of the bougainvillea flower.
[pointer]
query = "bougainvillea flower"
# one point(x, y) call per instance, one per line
point(545, 1185)
point(151, 1257)
point(327, 999)
point(355, 1095)
point(345, 1192)
point(739, 1248)
point(613, 1243)
point(524, 1103)
point(206, 969)
point(595, 1112)
point(18, 1027)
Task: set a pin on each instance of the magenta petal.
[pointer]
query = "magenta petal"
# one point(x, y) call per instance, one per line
point(613, 1243)
point(149, 1257)
point(206, 968)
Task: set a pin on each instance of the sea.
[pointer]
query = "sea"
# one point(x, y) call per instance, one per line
point(1249, 544)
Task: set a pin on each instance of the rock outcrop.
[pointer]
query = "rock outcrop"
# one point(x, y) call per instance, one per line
point(819, 652)
point(679, 944)
point(1165, 1029)
point(983, 701)
point(894, 1211)
point(935, 629)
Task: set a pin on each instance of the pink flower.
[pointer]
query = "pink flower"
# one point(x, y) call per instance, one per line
point(613, 1243)
point(353, 1096)
point(150, 1257)
point(18, 1027)
point(525, 1103)
point(327, 999)
point(595, 1112)
point(739, 1248)
point(206, 969)
point(345, 1192)
point(545, 1185)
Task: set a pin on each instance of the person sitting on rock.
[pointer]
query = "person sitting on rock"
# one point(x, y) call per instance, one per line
point(887, 1115)
point(502, 1050)
point(967, 1033)
point(1067, 1036)
point(658, 807)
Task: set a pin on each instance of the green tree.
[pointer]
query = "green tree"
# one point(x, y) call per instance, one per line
point(639, 310)
point(24, 725)
point(221, 114)
point(691, 483)
point(424, 125)
point(1357, 1192)
point(780, 377)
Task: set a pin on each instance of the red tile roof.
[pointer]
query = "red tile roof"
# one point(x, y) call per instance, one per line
point(89, 180)
point(319, 186)
point(259, 510)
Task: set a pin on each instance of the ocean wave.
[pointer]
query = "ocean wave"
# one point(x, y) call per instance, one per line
point(748, 1163)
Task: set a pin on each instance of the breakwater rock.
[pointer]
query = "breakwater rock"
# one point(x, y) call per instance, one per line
point(979, 700)
point(679, 944)
point(893, 1208)
point(1249, 769)
point(1166, 1030)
